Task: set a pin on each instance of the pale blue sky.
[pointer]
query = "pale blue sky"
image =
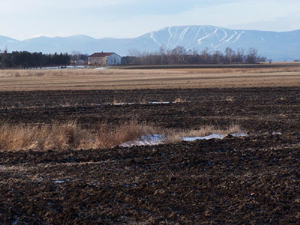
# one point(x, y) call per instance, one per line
point(22, 19)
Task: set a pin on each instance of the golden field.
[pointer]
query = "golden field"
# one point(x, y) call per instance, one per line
point(93, 79)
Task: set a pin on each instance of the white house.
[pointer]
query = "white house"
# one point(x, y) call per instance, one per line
point(104, 59)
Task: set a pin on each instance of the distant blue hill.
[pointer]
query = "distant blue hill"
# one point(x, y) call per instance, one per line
point(280, 46)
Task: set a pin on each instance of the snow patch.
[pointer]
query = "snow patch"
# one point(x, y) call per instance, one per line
point(171, 35)
point(122, 103)
point(181, 36)
point(228, 40)
point(158, 103)
point(216, 31)
point(238, 37)
point(200, 39)
point(154, 139)
point(197, 33)
point(61, 181)
point(154, 39)
point(225, 35)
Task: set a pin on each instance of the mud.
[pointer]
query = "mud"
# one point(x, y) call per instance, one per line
point(246, 180)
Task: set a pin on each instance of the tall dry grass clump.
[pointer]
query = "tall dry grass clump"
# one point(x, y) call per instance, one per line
point(56, 136)
point(107, 137)
point(69, 135)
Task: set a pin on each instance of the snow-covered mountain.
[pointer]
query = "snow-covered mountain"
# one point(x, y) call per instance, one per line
point(276, 45)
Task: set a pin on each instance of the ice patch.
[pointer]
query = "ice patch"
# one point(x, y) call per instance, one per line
point(122, 103)
point(212, 136)
point(156, 139)
point(101, 68)
point(239, 135)
point(60, 181)
point(150, 103)
point(158, 103)
point(149, 139)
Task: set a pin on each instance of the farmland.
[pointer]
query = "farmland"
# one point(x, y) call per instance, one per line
point(235, 180)
point(154, 77)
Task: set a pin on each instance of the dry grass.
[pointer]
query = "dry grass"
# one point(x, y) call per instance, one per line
point(91, 79)
point(64, 136)
point(115, 102)
point(69, 135)
point(179, 100)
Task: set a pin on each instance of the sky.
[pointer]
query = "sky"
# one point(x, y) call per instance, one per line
point(23, 19)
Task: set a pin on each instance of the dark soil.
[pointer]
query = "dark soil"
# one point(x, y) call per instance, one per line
point(251, 180)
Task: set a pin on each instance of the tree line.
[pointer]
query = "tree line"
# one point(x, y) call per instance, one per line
point(24, 59)
point(180, 55)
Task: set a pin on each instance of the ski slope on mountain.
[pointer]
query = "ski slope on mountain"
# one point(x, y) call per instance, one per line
point(279, 46)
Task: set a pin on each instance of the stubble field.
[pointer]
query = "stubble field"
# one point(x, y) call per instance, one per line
point(236, 180)
point(209, 76)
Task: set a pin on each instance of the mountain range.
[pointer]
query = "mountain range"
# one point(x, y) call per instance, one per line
point(279, 46)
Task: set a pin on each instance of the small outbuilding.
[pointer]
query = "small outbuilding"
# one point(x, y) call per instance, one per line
point(104, 59)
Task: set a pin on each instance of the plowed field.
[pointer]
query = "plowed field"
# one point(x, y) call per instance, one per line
point(246, 180)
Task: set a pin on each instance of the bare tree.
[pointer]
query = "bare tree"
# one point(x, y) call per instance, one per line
point(252, 56)
point(217, 57)
point(204, 55)
point(240, 55)
point(229, 54)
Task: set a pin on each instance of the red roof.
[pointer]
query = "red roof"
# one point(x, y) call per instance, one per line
point(101, 54)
